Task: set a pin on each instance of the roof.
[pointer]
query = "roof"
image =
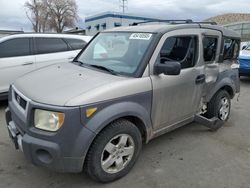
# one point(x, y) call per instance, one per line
point(118, 15)
point(163, 28)
point(83, 37)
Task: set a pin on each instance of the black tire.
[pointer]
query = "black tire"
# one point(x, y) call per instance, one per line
point(214, 106)
point(93, 162)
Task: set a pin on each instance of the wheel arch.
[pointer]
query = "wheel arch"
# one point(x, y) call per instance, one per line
point(131, 111)
point(225, 84)
point(229, 89)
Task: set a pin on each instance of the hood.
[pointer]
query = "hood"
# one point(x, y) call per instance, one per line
point(60, 83)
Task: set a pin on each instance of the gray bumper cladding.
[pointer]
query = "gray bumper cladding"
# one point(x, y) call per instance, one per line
point(213, 123)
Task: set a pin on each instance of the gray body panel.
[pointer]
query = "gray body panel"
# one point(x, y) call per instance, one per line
point(133, 106)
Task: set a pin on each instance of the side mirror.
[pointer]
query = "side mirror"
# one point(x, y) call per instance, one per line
point(168, 68)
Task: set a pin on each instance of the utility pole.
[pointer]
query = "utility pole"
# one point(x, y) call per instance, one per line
point(123, 5)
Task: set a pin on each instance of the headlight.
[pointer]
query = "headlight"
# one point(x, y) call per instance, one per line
point(48, 120)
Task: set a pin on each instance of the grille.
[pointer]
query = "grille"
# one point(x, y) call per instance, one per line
point(20, 101)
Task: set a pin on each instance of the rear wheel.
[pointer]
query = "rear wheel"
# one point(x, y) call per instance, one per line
point(219, 106)
point(114, 151)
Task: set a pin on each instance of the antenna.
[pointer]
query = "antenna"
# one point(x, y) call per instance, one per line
point(123, 5)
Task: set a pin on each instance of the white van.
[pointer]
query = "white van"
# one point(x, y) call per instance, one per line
point(22, 53)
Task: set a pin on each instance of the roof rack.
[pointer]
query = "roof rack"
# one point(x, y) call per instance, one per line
point(188, 21)
point(210, 23)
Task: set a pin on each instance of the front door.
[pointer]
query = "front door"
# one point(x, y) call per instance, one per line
point(177, 98)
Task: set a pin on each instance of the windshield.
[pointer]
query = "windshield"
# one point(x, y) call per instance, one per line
point(120, 53)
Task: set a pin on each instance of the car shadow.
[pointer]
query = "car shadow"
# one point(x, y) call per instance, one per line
point(3, 104)
point(245, 79)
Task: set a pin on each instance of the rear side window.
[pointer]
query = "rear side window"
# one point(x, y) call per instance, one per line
point(15, 47)
point(50, 45)
point(231, 49)
point(209, 48)
point(181, 48)
point(76, 44)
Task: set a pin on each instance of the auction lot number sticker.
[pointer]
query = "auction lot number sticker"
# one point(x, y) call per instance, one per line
point(140, 36)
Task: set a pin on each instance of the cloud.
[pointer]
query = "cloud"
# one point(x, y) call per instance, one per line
point(12, 14)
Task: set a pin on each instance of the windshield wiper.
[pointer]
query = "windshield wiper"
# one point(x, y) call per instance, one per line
point(81, 63)
point(104, 68)
point(77, 61)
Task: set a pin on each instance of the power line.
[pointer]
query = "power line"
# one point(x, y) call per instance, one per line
point(123, 5)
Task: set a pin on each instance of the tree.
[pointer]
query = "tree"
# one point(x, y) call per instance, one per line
point(33, 12)
point(51, 14)
point(63, 13)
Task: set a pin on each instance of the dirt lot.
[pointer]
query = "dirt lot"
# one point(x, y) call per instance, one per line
point(191, 156)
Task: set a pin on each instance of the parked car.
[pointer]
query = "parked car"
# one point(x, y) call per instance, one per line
point(243, 45)
point(244, 60)
point(95, 113)
point(23, 53)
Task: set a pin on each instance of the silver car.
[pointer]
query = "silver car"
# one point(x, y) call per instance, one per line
point(128, 86)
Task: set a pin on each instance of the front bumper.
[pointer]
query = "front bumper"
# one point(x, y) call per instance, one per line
point(63, 151)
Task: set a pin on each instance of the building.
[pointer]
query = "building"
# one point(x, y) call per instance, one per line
point(236, 22)
point(108, 20)
point(8, 32)
point(77, 30)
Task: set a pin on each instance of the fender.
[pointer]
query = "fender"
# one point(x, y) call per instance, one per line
point(226, 79)
point(118, 110)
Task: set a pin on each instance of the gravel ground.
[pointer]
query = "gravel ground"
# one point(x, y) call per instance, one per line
point(190, 156)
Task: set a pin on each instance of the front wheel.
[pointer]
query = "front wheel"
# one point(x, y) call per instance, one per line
point(219, 106)
point(114, 151)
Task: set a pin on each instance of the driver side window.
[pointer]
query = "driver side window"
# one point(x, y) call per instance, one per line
point(180, 48)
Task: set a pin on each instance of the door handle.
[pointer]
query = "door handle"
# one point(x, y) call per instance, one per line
point(70, 58)
point(200, 79)
point(28, 63)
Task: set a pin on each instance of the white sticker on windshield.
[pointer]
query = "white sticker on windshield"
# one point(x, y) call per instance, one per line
point(140, 36)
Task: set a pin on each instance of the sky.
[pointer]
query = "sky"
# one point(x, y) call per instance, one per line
point(13, 16)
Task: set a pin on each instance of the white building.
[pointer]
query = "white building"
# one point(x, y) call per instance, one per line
point(108, 20)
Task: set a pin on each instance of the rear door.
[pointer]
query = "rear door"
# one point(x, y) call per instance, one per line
point(16, 60)
point(52, 50)
point(211, 50)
